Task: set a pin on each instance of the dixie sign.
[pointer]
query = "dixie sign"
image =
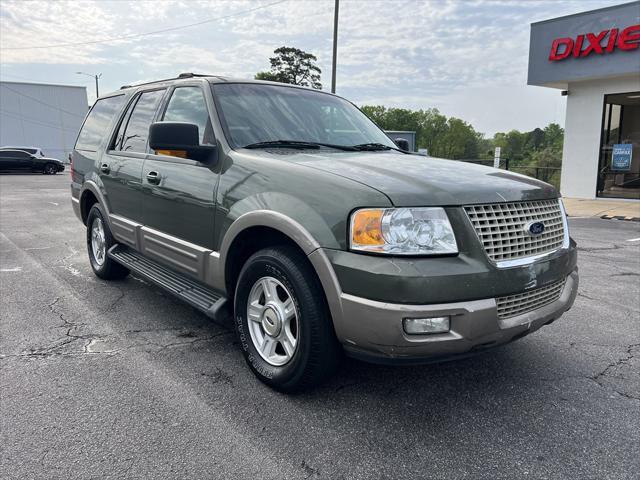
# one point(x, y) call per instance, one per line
point(604, 42)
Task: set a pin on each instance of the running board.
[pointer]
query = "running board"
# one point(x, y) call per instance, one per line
point(194, 293)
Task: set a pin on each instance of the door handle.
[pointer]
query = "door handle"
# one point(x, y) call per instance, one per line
point(104, 168)
point(153, 177)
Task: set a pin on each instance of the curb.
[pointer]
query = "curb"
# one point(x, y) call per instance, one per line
point(621, 217)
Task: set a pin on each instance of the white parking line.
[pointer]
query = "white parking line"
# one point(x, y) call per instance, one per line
point(634, 240)
point(14, 269)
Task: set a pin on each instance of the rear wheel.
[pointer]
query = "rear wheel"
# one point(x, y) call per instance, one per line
point(283, 322)
point(99, 241)
point(50, 169)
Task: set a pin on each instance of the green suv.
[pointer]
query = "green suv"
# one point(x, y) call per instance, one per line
point(289, 211)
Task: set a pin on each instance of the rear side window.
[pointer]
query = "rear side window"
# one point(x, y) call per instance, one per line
point(188, 105)
point(137, 129)
point(97, 123)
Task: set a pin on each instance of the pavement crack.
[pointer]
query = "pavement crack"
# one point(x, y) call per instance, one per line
point(598, 378)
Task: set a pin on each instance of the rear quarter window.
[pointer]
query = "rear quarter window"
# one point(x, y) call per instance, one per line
point(96, 126)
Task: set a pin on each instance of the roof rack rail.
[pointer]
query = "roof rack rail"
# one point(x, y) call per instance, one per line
point(180, 76)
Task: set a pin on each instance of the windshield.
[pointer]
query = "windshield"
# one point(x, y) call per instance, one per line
point(254, 113)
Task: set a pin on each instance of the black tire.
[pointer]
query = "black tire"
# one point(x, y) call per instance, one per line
point(109, 269)
point(318, 352)
point(50, 169)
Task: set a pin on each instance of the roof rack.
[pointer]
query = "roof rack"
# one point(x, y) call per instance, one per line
point(180, 76)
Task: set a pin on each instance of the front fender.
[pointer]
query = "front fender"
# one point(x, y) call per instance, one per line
point(293, 229)
point(324, 228)
point(281, 212)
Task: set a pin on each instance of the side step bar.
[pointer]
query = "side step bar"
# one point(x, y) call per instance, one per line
point(194, 293)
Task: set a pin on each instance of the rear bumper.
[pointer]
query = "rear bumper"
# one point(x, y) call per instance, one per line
point(373, 330)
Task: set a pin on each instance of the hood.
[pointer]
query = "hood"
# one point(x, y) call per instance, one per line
point(413, 180)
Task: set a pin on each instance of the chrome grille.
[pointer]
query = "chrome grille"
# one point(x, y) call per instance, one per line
point(532, 300)
point(501, 228)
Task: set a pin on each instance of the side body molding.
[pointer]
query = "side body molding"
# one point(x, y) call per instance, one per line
point(185, 257)
point(208, 267)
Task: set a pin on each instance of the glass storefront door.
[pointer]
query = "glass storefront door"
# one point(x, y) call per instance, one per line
point(619, 167)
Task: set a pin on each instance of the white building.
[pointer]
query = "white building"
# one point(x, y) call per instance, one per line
point(594, 58)
point(41, 115)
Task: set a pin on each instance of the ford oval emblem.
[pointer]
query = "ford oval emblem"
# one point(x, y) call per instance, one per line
point(535, 228)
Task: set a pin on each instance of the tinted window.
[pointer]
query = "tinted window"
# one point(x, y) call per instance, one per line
point(5, 155)
point(257, 113)
point(22, 155)
point(188, 105)
point(137, 130)
point(97, 123)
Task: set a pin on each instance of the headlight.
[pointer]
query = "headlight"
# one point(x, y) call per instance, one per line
point(402, 231)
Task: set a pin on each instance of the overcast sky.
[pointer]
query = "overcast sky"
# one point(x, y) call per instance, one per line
point(467, 58)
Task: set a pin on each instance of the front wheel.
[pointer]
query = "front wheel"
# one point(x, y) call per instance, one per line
point(50, 169)
point(99, 241)
point(283, 322)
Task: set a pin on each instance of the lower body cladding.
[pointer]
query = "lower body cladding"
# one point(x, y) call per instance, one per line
point(377, 331)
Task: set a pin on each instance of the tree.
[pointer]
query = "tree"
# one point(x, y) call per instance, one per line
point(536, 153)
point(294, 66)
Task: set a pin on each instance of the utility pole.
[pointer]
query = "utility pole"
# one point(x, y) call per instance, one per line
point(96, 77)
point(335, 45)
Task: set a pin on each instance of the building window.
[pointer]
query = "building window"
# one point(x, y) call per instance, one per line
point(619, 167)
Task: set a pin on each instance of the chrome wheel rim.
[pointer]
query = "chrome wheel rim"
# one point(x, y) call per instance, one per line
point(98, 244)
point(273, 321)
point(49, 169)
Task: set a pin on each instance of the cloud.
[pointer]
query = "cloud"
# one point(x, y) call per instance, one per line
point(414, 53)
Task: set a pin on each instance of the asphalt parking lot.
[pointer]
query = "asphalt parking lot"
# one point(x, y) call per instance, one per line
point(119, 380)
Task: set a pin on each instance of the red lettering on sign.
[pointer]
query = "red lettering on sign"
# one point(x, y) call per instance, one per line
point(555, 54)
point(629, 38)
point(594, 43)
point(613, 36)
point(578, 45)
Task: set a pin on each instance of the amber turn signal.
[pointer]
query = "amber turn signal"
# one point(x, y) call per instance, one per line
point(366, 227)
point(172, 153)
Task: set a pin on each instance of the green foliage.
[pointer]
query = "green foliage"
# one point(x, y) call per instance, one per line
point(294, 66)
point(536, 153)
point(441, 136)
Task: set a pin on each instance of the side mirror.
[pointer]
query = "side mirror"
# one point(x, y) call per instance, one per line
point(402, 144)
point(179, 139)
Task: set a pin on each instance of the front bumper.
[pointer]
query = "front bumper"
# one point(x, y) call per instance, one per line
point(378, 336)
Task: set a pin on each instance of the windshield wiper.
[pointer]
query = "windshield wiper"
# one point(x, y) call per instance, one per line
point(282, 144)
point(296, 144)
point(372, 146)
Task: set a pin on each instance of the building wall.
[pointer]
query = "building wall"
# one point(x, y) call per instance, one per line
point(583, 128)
point(40, 115)
point(557, 74)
